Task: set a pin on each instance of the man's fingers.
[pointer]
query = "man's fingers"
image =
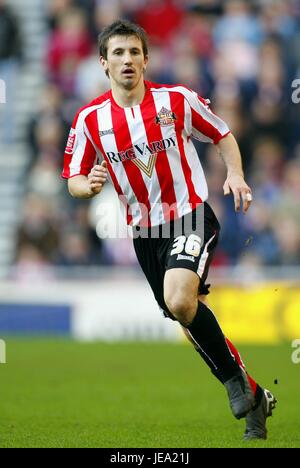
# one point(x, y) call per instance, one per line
point(101, 167)
point(99, 170)
point(98, 176)
point(247, 199)
point(235, 192)
point(239, 188)
point(97, 180)
point(96, 190)
point(237, 201)
point(96, 186)
point(226, 188)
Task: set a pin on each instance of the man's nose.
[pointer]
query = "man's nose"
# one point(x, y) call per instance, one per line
point(127, 58)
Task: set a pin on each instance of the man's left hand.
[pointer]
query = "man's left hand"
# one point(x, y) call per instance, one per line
point(236, 184)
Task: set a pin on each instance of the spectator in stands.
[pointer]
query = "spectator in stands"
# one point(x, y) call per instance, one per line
point(287, 233)
point(238, 23)
point(10, 56)
point(68, 45)
point(31, 266)
point(75, 249)
point(50, 110)
point(39, 227)
point(90, 81)
point(161, 19)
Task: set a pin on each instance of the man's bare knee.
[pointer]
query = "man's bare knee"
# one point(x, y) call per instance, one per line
point(180, 294)
point(181, 308)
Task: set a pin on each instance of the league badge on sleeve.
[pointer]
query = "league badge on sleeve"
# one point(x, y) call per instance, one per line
point(71, 142)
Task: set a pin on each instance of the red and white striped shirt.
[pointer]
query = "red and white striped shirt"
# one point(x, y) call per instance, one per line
point(151, 159)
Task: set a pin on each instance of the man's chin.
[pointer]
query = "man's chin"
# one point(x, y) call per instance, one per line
point(129, 83)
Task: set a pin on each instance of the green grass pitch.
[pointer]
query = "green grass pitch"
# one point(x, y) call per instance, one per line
point(61, 393)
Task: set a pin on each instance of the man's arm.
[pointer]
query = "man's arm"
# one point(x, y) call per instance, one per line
point(230, 153)
point(82, 186)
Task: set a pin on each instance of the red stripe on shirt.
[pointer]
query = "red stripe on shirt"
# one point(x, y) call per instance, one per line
point(177, 105)
point(162, 166)
point(123, 142)
point(87, 154)
point(92, 125)
point(88, 158)
point(203, 126)
point(66, 169)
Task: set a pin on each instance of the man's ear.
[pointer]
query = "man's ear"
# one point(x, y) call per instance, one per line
point(145, 62)
point(103, 63)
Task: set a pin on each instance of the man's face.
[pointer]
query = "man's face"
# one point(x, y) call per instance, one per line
point(125, 61)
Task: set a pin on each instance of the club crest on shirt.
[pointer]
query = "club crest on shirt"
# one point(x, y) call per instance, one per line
point(71, 142)
point(165, 117)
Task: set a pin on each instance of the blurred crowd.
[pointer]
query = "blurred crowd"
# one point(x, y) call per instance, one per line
point(10, 57)
point(242, 55)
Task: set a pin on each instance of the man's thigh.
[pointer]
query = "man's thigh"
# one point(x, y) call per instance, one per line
point(192, 252)
point(152, 265)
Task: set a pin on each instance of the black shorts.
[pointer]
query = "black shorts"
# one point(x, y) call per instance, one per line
point(186, 243)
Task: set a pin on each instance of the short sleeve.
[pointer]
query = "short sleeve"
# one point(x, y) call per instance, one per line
point(80, 154)
point(205, 125)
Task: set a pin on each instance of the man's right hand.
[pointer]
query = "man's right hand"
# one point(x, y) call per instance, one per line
point(97, 177)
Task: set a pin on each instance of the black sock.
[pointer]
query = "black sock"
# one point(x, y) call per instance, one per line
point(214, 371)
point(209, 337)
point(259, 391)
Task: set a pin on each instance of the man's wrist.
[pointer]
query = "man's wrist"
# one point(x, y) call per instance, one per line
point(83, 193)
point(234, 173)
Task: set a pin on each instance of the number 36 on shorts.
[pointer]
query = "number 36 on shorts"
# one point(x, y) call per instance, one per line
point(191, 245)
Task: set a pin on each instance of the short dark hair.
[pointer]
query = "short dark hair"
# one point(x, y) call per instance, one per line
point(121, 28)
